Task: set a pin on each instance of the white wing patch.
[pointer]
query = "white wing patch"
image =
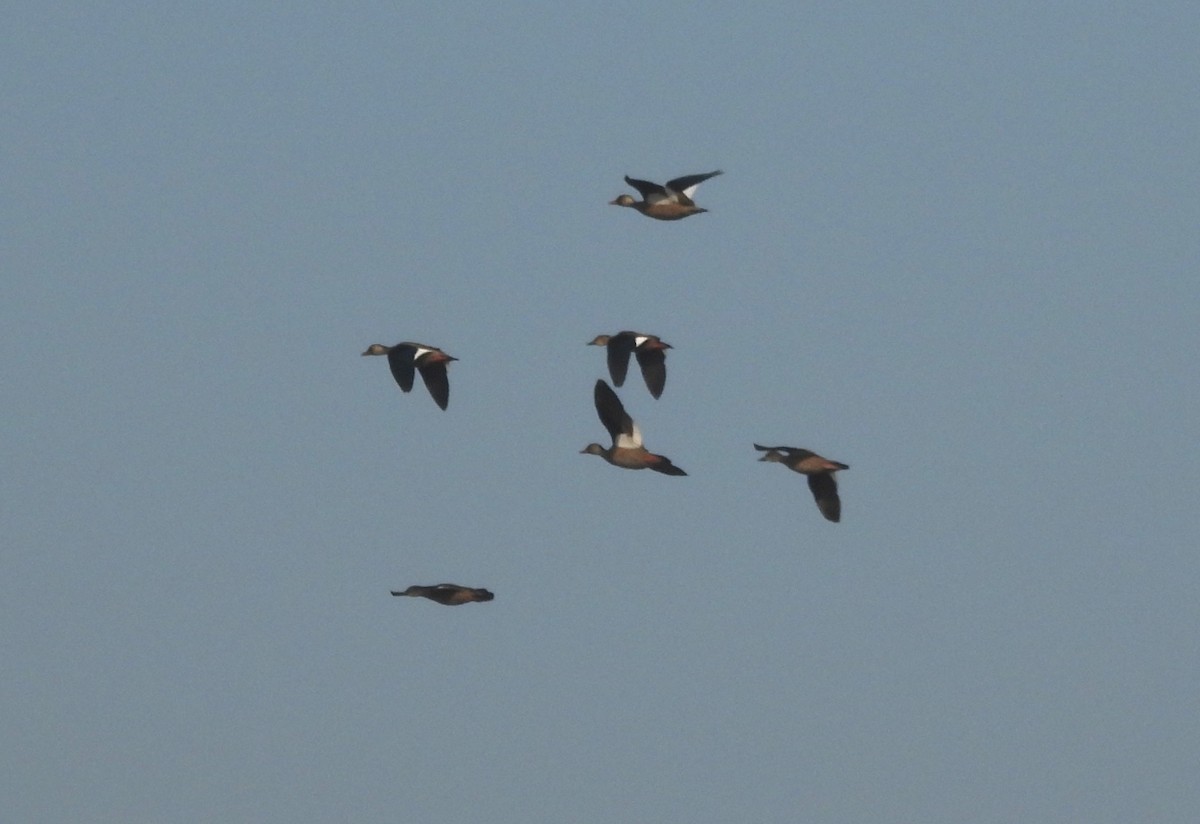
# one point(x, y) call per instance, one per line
point(639, 340)
point(418, 351)
point(631, 441)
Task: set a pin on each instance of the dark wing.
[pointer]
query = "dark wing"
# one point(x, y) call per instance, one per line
point(664, 465)
point(619, 349)
point(654, 369)
point(612, 414)
point(687, 184)
point(772, 448)
point(647, 189)
point(400, 361)
point(436, 382)
point(824, 490)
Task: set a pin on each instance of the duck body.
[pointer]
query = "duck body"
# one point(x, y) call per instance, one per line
point(407, 358)
point(818, 471)
point(450, 595)
point(672, 201)
point(651, 354)
point(627, 450)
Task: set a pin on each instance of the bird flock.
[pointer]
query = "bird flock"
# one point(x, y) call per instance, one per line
point(669, 201)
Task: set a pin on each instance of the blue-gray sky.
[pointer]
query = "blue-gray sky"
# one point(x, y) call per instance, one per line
point(956, 247)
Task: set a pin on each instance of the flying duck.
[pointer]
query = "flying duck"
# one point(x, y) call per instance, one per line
point(670, 202)
point(404, 358)
point(819, 472)
point(449, 594)
point(627, 451)
point(651, 357)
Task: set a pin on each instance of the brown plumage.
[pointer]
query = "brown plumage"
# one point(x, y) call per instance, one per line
point(817, 470)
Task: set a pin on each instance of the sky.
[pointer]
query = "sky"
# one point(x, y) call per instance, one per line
point(955, 247)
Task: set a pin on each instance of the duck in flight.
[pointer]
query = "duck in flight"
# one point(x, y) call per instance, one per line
point(670, 202)
point(651, 353)
point(406, 358)
point(819, 472)
point(449, 594)
point(627, 451)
